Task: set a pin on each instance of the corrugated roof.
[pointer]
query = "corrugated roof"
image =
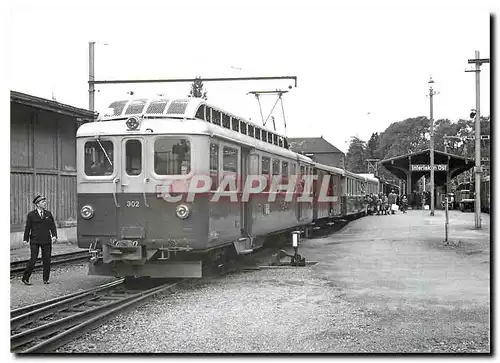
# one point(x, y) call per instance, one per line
point(312, 145)
point(50, 105)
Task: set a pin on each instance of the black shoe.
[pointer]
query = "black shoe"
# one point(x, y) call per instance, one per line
point(26, 282)
point(46, 282)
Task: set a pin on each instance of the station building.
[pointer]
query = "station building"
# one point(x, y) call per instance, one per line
point(43, 161)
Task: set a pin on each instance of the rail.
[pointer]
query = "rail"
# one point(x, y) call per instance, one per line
point(19, 266)
point(44, 327)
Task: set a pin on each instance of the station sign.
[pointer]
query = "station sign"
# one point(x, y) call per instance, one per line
point(427, 167)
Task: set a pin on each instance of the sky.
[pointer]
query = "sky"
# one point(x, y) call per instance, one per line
point(360, 65)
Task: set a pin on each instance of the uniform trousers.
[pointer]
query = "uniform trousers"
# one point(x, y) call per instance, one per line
point(46, 254)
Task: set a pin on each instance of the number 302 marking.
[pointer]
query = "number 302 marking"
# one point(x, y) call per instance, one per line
point(132, 204)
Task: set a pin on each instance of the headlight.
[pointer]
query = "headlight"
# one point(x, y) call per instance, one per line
point(182, 211)
point(87, 212)
point(132, 123)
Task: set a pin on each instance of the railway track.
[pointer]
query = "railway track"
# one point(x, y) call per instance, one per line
point(43, 327)
point(46, 326)
point(19, 266)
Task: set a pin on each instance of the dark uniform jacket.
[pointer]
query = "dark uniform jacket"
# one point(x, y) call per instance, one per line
point(38, 230)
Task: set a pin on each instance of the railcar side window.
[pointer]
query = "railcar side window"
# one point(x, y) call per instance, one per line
point(133, 157)
point(276, 167)
point(172, 156)
point(250, 131)
point(257, 133)
point(236, 124)
point(243, 128)
point(98, 158)
point(264, 135)
point(214, 165)
point(208, 114)
point(225, 120)
point(230, 159)
point(284, 168)
point(200, 113)
point(293, 169)
point(266, 165)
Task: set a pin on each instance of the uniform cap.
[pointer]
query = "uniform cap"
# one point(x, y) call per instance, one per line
point(38, 199)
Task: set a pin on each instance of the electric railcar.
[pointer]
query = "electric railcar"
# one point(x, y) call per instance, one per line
point(134, 170)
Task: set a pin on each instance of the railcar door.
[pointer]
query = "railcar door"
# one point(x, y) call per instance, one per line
point(231, 168)
point(246, 210)
point(133, 205)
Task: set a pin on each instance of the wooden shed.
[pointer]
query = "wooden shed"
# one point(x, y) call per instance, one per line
point(43, 157)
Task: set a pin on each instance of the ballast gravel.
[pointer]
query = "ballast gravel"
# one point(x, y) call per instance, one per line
point(279, 310)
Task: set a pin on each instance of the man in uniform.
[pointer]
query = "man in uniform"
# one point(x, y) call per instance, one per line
point(40, 232)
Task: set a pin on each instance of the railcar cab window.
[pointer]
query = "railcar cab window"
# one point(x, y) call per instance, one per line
point(133, 157)
point(99, 158)
point(172, 156)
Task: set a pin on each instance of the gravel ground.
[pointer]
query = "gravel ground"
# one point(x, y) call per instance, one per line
point(383, 284)
point(293, 311)
point(65, 279)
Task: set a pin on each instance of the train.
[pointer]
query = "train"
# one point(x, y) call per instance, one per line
point(164, 185)
point(465, 195)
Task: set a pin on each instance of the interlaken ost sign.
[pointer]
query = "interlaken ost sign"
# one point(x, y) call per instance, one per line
point(427, 167)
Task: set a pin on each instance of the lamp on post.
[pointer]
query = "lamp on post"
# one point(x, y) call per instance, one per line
point(431, 95)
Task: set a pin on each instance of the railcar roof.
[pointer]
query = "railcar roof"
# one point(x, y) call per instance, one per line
point(163, 106)
point(330, 169)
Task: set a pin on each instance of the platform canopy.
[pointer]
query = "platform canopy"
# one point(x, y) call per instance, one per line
point(412, 167)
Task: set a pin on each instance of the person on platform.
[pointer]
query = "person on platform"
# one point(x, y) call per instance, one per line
point(392, 200)
point(40, 232)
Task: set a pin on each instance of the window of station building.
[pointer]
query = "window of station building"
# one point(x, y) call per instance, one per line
point(225, 121)
point(200, 113)
point(236, 124)
point(257, 133)
point(98, 162)
point(208, 114)
point(284, 168)
point(230, 159)
point(214, 165)
point(266, 163)
point(250, 131)
point(172, 156)
point(293, 169)
point(243, 127)
point(276, 167)
point(133, 157)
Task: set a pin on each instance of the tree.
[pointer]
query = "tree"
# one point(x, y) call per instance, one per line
point(356, 156)
point(372, 146)
point(197, 90)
